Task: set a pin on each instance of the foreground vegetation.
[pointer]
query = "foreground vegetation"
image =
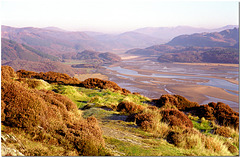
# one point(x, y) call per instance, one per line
point(53, 114)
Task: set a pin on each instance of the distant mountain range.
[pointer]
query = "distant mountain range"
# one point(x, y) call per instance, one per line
point(168, 33)
point(225, 38)
point(21, 56)
point(217, 47)
point(51, 43)
point(56, 41)
point(127, 40)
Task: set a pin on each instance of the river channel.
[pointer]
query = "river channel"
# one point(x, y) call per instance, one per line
point(152, 79)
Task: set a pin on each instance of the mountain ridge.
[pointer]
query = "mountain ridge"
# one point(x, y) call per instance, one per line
point(225, 38)
point(168, 33)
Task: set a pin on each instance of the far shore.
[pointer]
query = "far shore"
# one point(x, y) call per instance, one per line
point(207, 64)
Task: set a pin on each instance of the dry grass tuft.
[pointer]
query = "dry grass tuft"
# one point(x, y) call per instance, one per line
point(223, 131)
point(231, 147)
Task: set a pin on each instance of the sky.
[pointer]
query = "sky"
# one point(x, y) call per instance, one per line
point(117, 15)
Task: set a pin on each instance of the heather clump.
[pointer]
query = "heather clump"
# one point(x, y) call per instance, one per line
point(31, 83)
point(23, 108)
point(102, 84)
point(206, 111)
point(167, 102)
point(26, 74)
point(51, 77)
point(176, 118)
point(175, 101)
point(223, 131)
point(129, 107)
point(7, 72)
point(219, 112)
point(184, 104)
point(3, 105)
point(48, 119)
point(226, 116)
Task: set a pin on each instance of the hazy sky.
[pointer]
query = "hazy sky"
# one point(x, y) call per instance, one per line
point(117, 15)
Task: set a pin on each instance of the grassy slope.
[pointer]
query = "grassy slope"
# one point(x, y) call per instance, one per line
point(125, 138)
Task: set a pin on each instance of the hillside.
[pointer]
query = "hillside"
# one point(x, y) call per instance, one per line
point(59, 42)
point(52, 41)
point(153, 50)
point(44, 123)
point(217, 47)
point(202, 55)
point(61, 116)
point(225, 38)
point(12, 50)
point(43, 66)
point(166, 53)
point(98, 57)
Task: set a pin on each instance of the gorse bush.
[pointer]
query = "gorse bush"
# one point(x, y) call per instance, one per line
point(50, 118)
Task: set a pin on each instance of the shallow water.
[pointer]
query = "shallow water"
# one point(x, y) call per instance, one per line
point(214, 82)
point(179, 74)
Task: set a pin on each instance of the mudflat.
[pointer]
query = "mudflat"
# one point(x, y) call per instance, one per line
point(199, 82)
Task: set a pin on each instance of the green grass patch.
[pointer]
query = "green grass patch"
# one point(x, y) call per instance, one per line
point(100, 97)
point(202, 124)
point(73, 93)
